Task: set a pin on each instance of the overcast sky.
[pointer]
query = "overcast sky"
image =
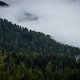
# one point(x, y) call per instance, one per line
point(59, 18)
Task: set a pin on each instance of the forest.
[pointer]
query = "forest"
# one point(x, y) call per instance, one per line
point(31, 55)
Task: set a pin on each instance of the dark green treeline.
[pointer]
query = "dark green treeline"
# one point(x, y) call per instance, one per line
point(30, 55)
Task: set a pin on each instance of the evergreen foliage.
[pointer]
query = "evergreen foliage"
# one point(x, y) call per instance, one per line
point(15, 38)
point(30, 55)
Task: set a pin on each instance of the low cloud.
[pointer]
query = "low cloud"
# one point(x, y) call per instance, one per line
point(59, 18)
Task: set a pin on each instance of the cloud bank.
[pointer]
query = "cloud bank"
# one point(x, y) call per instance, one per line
point(59, 18)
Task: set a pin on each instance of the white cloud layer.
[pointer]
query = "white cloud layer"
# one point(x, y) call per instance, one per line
point(59, 18)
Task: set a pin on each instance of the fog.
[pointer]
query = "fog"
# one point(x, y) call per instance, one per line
point(58, 18)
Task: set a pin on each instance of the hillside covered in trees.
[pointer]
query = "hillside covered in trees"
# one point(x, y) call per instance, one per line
point(31, 55)
point(15, 38)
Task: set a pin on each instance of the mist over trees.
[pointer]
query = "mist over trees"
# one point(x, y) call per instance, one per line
point(31, 55)
point(15, 38)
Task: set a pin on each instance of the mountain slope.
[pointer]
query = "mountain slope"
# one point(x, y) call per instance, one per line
point(36, 56)
point(14, 38)
point(59, 18)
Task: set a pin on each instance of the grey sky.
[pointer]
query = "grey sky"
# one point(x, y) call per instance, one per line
point(59, 18)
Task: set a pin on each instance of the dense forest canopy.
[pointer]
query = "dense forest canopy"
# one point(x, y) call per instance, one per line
point(15, 38)
point(31, 55)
